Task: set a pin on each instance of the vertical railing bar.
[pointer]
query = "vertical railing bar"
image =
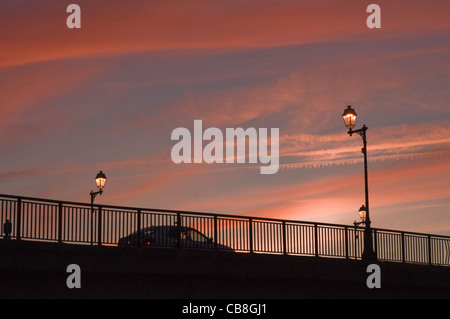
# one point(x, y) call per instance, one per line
point(113, 235)
point(50, 232)
point(26, 230)
point(138, 240)
point(346, 242)
point(27, 224)
point(24, 221)
point(60, 205)
point(430, 262)
point(178, 230)
point(256, 242)
point(31, 228)
point(106, 229)
point(85, 232)
point(231, 230)
point(241, 235)
point(47, 234)
point(289, 234)
point(70, 225)
point(375, 237)
point(99, 226)
point(52, 224)
point(42, 221)
point(110, 232)
point(79, 216)
point(64, 223)
point(44, 231)
point(35, 208)
point(403, 247)
point(215, 233)
point(316, 240)
point(18, 218)
point(250, 231)
point(37, 215)
point(85, 219)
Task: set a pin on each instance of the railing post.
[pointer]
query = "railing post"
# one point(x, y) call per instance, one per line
point(178, 230)
point(375, 241)
point(138, 239)
point(316, 240)
point(60, 213)
point(429, 249)
point(346, 242)
point(250, 234)
point(215, 232)
point(99, 226)
point(284, 238)
point(403, 247)
point(19, 217)
point(92, 222)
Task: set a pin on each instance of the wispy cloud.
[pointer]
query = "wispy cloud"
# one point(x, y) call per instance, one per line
point(114, 28)
point(404, 142)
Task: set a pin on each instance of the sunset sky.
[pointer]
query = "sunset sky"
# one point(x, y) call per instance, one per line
point(108, 96)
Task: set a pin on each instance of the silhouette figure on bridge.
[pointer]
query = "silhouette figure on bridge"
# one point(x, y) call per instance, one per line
point(7, 228)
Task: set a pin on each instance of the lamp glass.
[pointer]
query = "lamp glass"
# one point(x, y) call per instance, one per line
point(349, 117)
point(100, 180)
point(362, 213)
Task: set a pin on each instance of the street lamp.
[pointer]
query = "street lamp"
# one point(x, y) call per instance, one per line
point(349, 117)
point(362, 214)
point(100, 181)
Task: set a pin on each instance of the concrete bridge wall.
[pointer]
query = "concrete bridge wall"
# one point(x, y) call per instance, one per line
point(39, 270)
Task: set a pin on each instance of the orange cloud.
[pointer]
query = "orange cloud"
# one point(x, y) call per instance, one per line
point(36, 32)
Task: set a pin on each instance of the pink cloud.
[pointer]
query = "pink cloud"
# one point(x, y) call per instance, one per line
point(114, 28)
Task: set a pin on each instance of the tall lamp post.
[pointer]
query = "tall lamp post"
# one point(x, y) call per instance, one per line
point(350, 121)
point(100, 181)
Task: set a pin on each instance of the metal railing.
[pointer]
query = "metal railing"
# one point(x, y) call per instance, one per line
point(80, 223)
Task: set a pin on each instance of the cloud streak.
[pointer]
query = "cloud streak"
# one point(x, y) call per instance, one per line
point(410, 142)
point(112, 28)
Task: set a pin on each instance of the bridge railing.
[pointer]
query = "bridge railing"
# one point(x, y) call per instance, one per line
point(80, 223)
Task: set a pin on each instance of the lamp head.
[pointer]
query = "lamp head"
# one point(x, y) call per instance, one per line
point(362, 213)
point(349, 117)
point(100, 180)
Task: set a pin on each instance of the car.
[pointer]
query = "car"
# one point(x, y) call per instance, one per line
point(167, 236)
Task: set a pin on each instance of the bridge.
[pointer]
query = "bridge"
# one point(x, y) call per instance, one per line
point(233, 257)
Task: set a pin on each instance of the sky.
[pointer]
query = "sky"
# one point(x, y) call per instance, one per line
point(107, 96)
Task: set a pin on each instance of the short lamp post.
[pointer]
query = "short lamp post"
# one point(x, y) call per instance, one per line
point(349, 116)
point(100, 181)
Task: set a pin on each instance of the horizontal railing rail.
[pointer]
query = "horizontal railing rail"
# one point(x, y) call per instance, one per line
point(40, 219)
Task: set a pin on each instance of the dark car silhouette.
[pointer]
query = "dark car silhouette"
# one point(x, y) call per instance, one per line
point(167, 236)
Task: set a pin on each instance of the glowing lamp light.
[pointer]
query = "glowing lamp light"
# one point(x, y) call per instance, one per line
point(100, 180)
point(349, 117)
point(362, 213)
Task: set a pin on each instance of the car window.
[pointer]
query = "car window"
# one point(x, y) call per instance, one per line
point(197, 236)
point(173, 233)
point(148, 232)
